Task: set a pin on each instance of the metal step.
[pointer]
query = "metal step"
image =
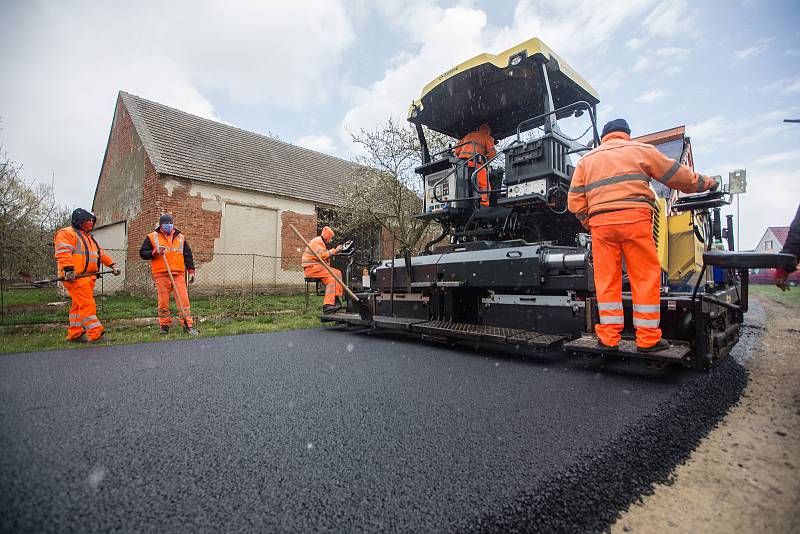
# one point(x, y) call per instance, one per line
point(486, 333)
point(396, 323)
point(345, 317)
point(676, 353)
point(536, 339)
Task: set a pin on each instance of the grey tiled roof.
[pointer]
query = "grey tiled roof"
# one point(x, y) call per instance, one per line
point(188, 146)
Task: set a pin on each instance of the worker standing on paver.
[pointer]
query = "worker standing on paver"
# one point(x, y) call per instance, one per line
point(792, 246)
point(611, 195)
point(478, 142)
point(170, 261)
point(313, 269)
point(77, 253)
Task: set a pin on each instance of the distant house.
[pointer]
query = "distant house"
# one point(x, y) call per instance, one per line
point(231, 191)
point(773, 239)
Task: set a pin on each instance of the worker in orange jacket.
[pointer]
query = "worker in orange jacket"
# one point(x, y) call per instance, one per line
point(611, 195)
point(313, 269)
point(166, 245)
point(77, 252)
point(478, 142)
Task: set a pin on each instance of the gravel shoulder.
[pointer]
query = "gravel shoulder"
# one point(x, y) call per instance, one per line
point(745, 475)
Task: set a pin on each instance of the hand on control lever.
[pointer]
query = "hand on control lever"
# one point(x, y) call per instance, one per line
point(114, 270)
point(717, 183)
point(69, 274)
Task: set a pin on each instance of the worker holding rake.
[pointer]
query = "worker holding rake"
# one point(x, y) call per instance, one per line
point(170, 261)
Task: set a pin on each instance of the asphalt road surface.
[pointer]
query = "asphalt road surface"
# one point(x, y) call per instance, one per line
point(330, 431)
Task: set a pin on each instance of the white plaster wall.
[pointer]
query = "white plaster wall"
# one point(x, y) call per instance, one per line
point(251, 224)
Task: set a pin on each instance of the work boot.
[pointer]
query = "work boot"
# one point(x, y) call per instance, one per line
point(338, 302)
point(662, 344)
point(609, 348)
point(98, 339)
point(191, 331)
point(328, 309)
point(164, 330)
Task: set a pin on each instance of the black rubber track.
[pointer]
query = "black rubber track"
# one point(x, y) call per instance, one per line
point(328, 431)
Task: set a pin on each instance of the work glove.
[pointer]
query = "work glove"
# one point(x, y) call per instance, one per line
point(190, 272)
point(69, 273)
point(780, 279)
point(717, 182)
point(114, 270)
point(159, 251)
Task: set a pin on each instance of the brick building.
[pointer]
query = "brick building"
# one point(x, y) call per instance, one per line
point(231, 191)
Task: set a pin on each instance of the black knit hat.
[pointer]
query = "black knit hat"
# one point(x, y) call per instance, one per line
point(166, 219)
point(80, 216)
point(617, 125)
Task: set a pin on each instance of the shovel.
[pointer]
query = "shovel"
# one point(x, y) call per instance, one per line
point(28, 278)
point(363, 309)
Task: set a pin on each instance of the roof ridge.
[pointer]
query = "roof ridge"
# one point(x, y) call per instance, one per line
point(233, 126)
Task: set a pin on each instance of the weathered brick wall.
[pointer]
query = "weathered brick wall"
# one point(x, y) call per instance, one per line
point(200, 226)
point(119, 188)
point(291, 246)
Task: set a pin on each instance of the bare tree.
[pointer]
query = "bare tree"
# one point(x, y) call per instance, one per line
point(383, 189)
point(29, 216)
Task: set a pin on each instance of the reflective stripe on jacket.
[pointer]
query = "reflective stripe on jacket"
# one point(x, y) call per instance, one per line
point(174, 252)
point(616, 176)
point(79, 250)
point(317, 245)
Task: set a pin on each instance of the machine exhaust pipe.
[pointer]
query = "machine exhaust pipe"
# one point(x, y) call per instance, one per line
point(563, 260)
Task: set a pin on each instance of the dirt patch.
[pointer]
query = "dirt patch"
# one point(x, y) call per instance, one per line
point(745, 475)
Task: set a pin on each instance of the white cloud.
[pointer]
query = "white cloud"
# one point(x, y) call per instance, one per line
point(70, 59)
point(318, 142)
point(756, 49)
point(792, 52)
point(671, 18)
point(721, 131)
point(667, 60)
point(635, 43)
point(779, 157)
point(578, 30)
point(651, 96)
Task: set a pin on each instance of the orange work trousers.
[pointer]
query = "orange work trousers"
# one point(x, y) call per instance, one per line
point(634, 241)
point(83, 313)
point(164, 286)
point(332, 288)
point(483, 181)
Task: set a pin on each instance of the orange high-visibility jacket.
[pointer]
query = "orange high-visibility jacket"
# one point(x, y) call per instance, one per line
point(79, 250)
point(317, 245)
point(616, 176)
point(174, 253)
point(484, 144)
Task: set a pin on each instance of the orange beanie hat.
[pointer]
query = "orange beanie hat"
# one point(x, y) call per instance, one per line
point(327, 233)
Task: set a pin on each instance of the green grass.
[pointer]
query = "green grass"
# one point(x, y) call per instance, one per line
point(224, 316)
point(789, 298)
point(30, 305)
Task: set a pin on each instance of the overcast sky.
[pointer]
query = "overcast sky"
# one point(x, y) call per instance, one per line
point(309, 70)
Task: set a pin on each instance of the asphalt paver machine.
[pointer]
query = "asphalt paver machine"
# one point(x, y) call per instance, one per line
point(518, 271)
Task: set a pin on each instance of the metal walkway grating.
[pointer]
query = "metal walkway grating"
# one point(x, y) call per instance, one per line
point(677, 352)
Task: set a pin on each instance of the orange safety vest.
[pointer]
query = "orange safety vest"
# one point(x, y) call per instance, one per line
point(78, 249)
point(317, 245)
point(616, 176)
point(174, 253)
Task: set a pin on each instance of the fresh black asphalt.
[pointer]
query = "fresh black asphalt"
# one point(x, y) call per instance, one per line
point(324, 430)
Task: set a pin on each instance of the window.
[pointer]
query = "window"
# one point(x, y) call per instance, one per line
point(768, 245)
